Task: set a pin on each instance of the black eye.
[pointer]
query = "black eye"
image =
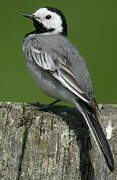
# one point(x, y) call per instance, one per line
point(48, 16)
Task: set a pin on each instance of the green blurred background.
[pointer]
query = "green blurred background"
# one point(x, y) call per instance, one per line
point(92, 28)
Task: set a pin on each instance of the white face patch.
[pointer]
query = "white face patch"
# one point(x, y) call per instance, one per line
point(55, 22)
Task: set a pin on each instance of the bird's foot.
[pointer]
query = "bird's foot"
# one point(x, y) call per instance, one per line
point(45, 107)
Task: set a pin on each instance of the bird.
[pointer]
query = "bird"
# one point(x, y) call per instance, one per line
point(61, 72)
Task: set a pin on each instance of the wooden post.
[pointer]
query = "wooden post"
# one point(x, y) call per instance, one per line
point(53, 144)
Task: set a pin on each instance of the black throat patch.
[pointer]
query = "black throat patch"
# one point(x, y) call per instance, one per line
point(40, 28)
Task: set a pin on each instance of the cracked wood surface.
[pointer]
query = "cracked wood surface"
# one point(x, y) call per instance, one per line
point(53, 144)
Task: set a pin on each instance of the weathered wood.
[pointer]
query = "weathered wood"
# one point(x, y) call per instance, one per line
point(53, 144)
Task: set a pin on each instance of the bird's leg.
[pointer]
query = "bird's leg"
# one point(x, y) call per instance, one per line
point(47, 106)
point(51, 104)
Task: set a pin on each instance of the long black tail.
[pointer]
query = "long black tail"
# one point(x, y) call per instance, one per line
point(91, 117)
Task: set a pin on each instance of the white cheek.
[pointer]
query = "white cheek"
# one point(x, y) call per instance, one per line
point(46, 23)
point(54, 24)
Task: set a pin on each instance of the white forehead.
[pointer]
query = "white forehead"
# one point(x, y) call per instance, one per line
point(44, 12)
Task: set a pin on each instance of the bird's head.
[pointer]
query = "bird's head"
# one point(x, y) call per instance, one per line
point(49, 20)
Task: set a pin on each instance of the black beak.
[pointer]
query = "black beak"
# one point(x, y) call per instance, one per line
point(29, 16)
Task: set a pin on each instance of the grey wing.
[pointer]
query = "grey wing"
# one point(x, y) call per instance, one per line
point(59, 70)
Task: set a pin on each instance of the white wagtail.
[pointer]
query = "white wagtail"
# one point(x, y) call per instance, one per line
point(60, 70)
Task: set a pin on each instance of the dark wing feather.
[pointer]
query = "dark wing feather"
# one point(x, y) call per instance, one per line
point(97, 132)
